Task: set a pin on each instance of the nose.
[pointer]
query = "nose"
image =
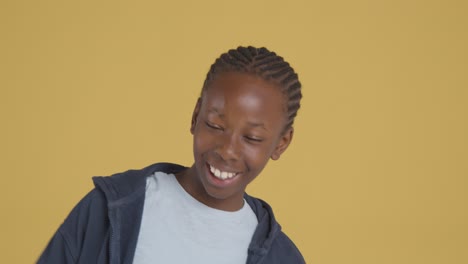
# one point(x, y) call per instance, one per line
point(228, 147)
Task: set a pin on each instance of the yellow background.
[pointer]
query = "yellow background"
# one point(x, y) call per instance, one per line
point(377, 171)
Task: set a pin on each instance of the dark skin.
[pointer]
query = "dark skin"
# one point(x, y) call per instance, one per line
point(238, 125)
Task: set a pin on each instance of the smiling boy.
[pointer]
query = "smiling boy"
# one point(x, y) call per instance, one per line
point(167, 213)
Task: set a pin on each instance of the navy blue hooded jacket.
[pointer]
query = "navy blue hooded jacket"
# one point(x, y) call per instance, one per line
point(104, 226)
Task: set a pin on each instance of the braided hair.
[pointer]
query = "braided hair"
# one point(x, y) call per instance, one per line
point(265, 64)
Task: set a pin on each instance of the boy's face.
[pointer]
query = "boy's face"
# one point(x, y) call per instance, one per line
point(237, 127)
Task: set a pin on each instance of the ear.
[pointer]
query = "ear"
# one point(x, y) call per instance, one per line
point(195, 116)
point(283, 144)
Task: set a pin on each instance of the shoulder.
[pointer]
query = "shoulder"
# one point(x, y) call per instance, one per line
point(94, 203)
point(283, 248)
point(87, 221)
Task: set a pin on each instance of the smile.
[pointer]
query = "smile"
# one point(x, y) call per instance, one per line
point(222, 175)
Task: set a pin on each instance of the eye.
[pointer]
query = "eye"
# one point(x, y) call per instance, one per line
point(253, 139)
point(213, 126)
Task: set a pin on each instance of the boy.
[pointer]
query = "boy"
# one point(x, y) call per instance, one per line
point(167, 213)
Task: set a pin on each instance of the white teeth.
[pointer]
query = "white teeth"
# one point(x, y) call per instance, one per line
point(223, 175)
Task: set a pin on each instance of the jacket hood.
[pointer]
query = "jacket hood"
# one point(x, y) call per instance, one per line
point(267, 229)
point(124, 188)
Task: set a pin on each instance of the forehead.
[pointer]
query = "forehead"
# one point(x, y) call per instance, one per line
point(238, 83)
point(244, 93)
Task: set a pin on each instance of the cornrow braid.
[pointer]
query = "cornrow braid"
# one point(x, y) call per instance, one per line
point(265, 64)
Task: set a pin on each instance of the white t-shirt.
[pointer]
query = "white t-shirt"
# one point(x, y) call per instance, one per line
point(177, 228)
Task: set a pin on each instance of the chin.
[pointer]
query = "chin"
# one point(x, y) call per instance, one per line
point(217, 189)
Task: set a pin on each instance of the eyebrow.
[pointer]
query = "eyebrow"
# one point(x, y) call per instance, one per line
point(216, 111)
point(250, 123)
point(254, 124)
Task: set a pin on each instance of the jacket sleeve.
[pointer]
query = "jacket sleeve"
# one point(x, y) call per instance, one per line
point(57, 251)
point(79, 231)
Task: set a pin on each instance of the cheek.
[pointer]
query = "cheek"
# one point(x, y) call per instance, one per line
point(197, 144)
point(258, 157)
point(201, 141)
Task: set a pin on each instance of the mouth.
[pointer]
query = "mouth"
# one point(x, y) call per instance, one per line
point(220, 174)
